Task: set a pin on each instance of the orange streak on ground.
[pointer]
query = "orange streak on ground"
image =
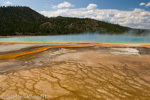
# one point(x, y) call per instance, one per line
point(15, 55)
point(12, 56)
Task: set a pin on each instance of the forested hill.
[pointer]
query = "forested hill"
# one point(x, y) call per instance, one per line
point(19, 20)
point(25, 21)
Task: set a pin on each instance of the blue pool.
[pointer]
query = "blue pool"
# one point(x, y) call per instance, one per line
point(81, 38)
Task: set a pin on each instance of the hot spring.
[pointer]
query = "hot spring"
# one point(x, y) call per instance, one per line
point(81, 38)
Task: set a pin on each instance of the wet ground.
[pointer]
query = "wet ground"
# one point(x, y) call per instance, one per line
point(75, 73)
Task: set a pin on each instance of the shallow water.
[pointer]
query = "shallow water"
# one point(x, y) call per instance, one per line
point(82, 38)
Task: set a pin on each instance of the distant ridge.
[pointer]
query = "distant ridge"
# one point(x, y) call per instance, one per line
point(25, 21)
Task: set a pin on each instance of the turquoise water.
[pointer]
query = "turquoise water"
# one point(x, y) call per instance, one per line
point(94, 38)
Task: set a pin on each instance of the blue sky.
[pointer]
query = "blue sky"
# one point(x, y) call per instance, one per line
point(102, 4)
point(131, 13)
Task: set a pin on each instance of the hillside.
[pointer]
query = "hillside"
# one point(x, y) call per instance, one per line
point(25, 21)
point(68, 25)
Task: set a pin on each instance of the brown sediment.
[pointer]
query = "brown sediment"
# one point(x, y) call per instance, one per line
point(90, 74)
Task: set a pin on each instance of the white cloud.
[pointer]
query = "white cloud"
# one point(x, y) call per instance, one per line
point(137, 18)
point(148, 4)
point(8, 3)
point(142, 4)
point(91, 6)
point(63, 5)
